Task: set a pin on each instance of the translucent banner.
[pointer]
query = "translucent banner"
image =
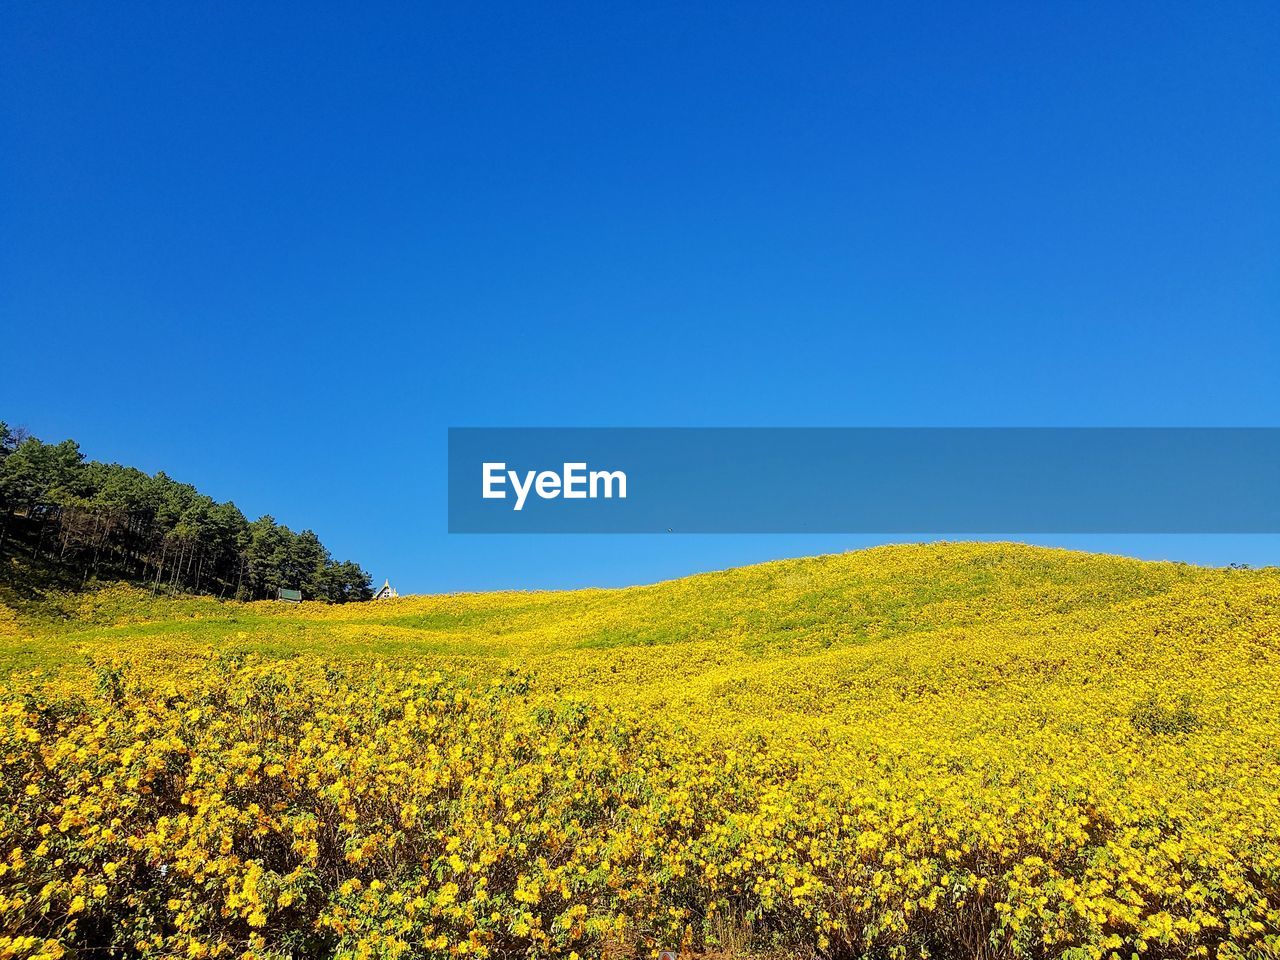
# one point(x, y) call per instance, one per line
point(864, 480)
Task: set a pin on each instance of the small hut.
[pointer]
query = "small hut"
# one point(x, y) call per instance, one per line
point(386, 591)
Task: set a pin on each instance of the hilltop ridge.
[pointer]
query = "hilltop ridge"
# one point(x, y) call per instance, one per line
point(950, 749)
point(781, 607)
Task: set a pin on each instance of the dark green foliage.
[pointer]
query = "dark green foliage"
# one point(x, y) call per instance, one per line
point(1150, 715)
point(73, 521)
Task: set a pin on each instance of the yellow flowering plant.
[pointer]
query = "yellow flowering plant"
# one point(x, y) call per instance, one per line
point(935, 751)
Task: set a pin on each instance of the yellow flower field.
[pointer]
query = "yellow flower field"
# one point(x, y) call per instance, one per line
point(946, 750)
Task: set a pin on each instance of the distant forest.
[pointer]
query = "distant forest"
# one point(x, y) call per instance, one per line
point(70, 521)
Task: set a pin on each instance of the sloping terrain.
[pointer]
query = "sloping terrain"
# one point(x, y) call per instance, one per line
point(945, 749)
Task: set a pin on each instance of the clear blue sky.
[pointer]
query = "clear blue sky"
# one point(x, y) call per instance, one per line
point(276, 250)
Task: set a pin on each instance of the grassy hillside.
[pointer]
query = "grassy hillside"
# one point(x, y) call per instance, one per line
point(944, 750)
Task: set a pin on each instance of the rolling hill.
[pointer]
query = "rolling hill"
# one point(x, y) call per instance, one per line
point(944, 750)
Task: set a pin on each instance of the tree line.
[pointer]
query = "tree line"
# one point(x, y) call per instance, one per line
point(82, 520)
